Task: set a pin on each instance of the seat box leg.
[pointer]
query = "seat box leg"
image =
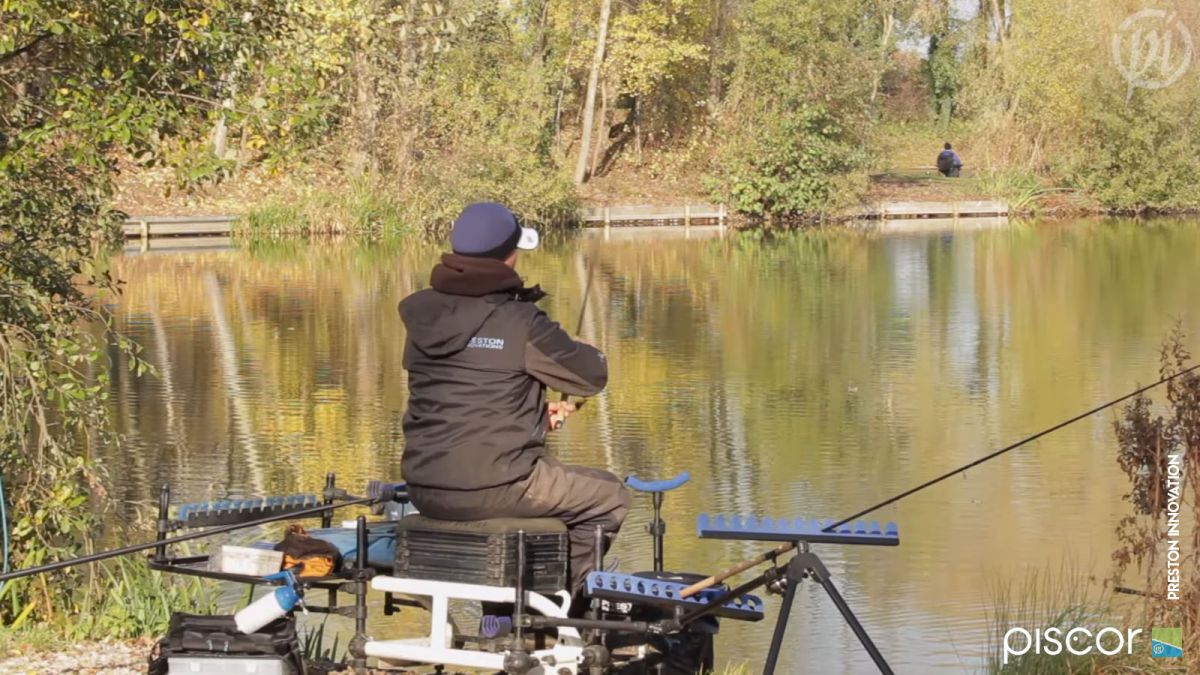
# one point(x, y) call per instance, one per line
point(439, 629)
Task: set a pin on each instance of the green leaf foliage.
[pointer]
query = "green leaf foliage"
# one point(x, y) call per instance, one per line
point(797, 118)
point(84, 82)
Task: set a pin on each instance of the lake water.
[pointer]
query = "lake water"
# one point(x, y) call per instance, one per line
point(806, 374)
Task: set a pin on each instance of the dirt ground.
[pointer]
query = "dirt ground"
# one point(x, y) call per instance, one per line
point(94, 658)
point(152, 193)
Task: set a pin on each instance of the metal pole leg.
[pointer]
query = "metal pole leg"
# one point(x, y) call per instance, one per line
point(359, 641)
point(817, 569)
point(517, 661)
point(330, 484)
point(794, 575)
point(657, 530)
point(164, 523)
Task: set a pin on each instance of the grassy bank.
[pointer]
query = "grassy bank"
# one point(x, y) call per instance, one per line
point(365, 206)
point(321, 201)
point(905, 171)
point(361, 208)
point(115, 600)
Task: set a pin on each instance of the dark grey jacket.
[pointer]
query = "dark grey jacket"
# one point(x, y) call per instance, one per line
point(478, 368)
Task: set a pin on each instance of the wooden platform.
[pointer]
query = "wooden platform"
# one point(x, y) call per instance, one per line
point(624, 216)
point(147, 227)
point(709, 214)
point(904, 210)
point(652, 232)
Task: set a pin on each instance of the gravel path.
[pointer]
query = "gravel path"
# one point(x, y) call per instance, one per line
point(101, 658)
point(92, 658)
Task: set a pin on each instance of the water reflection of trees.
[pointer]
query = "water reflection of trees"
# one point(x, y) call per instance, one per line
point(806, 374)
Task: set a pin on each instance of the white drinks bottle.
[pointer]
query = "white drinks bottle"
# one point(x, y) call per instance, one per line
point(270, 607)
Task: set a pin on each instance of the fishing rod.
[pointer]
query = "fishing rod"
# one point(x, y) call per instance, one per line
point(587, 288)
point(1025, 441)
point(785, 548)
point(126, 550)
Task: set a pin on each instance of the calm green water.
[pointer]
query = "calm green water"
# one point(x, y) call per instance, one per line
point(796, 375)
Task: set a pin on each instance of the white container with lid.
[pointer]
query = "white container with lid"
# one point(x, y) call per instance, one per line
point(255, 562)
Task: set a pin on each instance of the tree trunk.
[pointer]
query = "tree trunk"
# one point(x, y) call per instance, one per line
point(405, 112)
point(562, 89)
point(220, 135)
point(601, 127)
point(363, 114)
point(714, 65)
point(590, 102)
point(543, 40)
point(637, 126)
point(998, 17)
point(889, 27)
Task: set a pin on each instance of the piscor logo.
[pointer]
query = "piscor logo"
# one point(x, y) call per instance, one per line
point(1078, 641)
point(1166, 643)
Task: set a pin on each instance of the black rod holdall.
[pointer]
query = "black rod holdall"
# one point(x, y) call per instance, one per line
point(203, 641)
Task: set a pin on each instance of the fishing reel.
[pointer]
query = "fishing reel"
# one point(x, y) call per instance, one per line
point(384, 495)
point(778, 586)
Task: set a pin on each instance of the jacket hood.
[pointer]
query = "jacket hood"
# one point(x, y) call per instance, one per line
point(440, 324)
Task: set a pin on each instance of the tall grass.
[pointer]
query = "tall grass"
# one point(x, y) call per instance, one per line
point(124, 599)
point(376, 207)
point(363, 207)
point(1022, 190)
point(132, 600)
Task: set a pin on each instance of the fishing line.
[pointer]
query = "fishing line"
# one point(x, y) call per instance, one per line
point(587, 294)
point(1014, 446)
point(126, 550)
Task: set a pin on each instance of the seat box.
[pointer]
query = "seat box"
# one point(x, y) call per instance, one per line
point(483, 552)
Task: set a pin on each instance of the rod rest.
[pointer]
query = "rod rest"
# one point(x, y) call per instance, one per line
point(624, 587)
point(234, 511)
point(749, 528)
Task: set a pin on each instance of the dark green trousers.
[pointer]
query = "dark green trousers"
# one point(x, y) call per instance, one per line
point(580, 497)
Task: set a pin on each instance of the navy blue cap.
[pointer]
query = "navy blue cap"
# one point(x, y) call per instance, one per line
point(490, 230)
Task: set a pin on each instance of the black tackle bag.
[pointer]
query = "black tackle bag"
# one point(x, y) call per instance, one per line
point(213, 637)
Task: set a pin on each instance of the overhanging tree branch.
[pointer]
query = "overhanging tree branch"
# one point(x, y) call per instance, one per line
point(8, 56)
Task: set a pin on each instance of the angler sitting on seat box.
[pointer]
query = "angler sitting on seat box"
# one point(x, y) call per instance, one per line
point(480, 355)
